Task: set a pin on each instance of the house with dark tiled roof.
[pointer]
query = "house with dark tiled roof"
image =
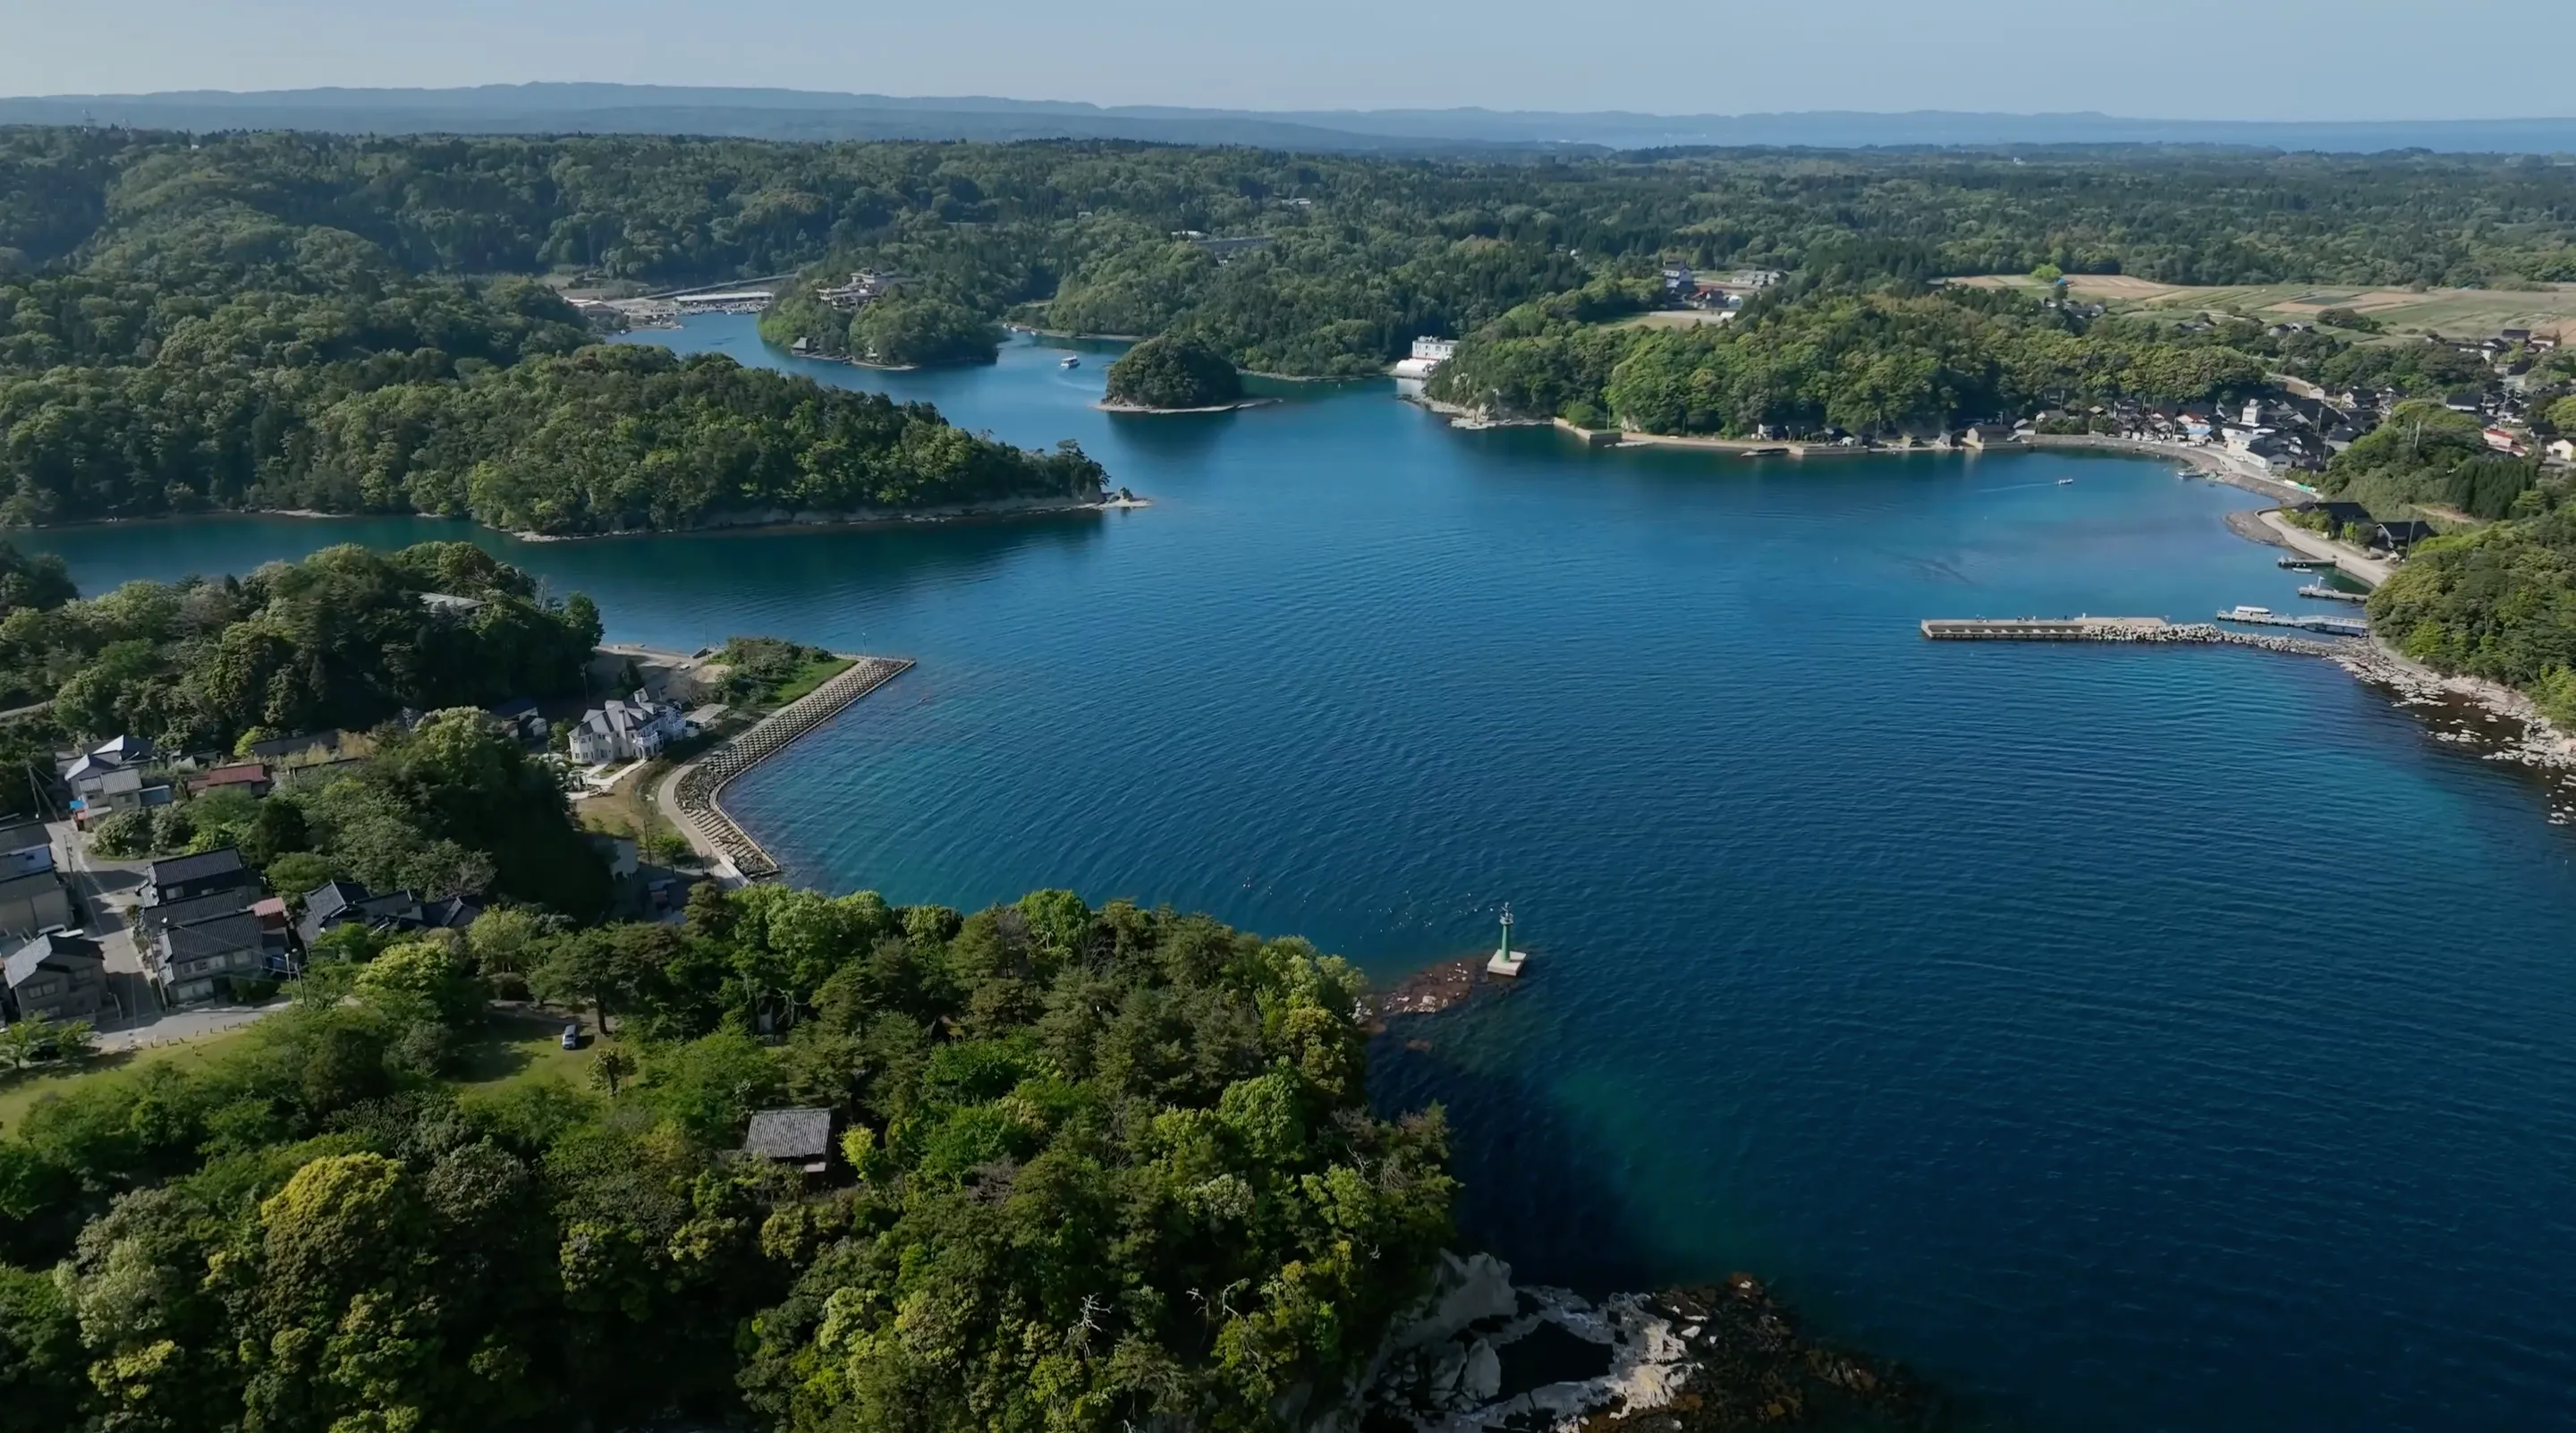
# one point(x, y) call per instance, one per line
point(201, 960)
point(181, 877)
point(339, 903)
point(59, 975)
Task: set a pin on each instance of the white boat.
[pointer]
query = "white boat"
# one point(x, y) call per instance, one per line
point(2241, 610)
point(2065, 482)
point(1070, 362)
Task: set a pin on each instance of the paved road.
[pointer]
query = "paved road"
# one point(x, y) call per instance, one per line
point(665, 797)
point(2343, 554)
point(180, 1026)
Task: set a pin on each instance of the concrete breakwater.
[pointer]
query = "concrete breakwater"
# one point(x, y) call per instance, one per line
point(696, 788)
point(2118, 629)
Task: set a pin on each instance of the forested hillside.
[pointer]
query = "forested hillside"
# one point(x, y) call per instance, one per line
point(1089, 1170)
point(271, 321)
point(179, 317)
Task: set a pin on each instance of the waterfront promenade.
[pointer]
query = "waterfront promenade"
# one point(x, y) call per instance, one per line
point(690, 795)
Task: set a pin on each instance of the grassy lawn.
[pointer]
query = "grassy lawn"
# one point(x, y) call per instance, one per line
point(621, 810)
point(513, 1049)
point(522, 1049)
point(20, 1091)
point(809, 676)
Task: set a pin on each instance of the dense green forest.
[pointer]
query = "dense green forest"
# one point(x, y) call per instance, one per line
point(285, 319)
point(1874, 363)
point(1094, 1169)
point(1173, 373)
point(2496, 600)
point(341, 639)
point(228, 325)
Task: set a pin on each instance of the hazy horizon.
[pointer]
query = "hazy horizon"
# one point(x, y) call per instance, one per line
point(2257, 61)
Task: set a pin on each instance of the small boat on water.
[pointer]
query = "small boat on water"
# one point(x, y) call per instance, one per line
point(1070, 362)
point(2065, 482)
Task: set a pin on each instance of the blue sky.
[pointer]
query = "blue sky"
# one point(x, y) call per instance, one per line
point(2191, 59)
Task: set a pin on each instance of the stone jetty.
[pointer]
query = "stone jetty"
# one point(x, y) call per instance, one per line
point(2154, 630)
point(697, 787)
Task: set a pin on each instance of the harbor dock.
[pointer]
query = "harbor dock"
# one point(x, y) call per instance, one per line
point(2324, 593)
point(691, 793)
point(2262, 617)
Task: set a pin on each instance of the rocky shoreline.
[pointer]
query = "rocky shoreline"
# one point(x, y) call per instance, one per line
point(1477, 1352)
point(1480, 1353)
point(2501, 724)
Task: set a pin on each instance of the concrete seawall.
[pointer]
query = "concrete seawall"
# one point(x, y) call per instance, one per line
point(690, 795)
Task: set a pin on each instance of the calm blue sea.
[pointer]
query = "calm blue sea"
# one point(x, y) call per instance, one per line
point(2128, 1039)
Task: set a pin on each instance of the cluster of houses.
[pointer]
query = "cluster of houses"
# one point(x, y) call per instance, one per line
point(2279, 436)
point(110, 777)
point(124, 774)
point(205, 923)
point(865, 287)
point(1723, 295)
point(204, 926)
point(2506, 403)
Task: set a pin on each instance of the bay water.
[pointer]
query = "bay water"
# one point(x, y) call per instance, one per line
point(2125, 1038)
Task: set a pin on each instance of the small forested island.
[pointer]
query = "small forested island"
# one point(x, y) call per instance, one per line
point(1172, 375)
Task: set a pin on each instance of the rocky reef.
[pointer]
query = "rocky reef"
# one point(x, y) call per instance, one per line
point(1480, 1353)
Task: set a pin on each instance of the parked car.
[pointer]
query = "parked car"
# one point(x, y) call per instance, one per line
point(572, 1037)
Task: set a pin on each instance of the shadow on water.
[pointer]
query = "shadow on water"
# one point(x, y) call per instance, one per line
point(1172, 435)
point(1533, 1191)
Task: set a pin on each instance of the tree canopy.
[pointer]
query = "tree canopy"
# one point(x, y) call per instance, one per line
point(1173, 373)
point(1094, 1169)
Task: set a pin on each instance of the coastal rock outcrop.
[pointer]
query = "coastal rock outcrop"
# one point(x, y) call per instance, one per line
point(1480, 1353)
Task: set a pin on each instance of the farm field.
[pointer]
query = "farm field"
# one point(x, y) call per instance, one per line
point(2456, 312)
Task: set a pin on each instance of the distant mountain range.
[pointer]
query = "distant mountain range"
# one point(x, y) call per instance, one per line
point(815, 115)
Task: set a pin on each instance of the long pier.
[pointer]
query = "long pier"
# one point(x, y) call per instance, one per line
point(2152, 630)
point(2331, 626)
point(2324, 593)
point(696, 789)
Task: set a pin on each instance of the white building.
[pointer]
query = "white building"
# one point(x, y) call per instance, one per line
point(621, 730)
point(1428, 355)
